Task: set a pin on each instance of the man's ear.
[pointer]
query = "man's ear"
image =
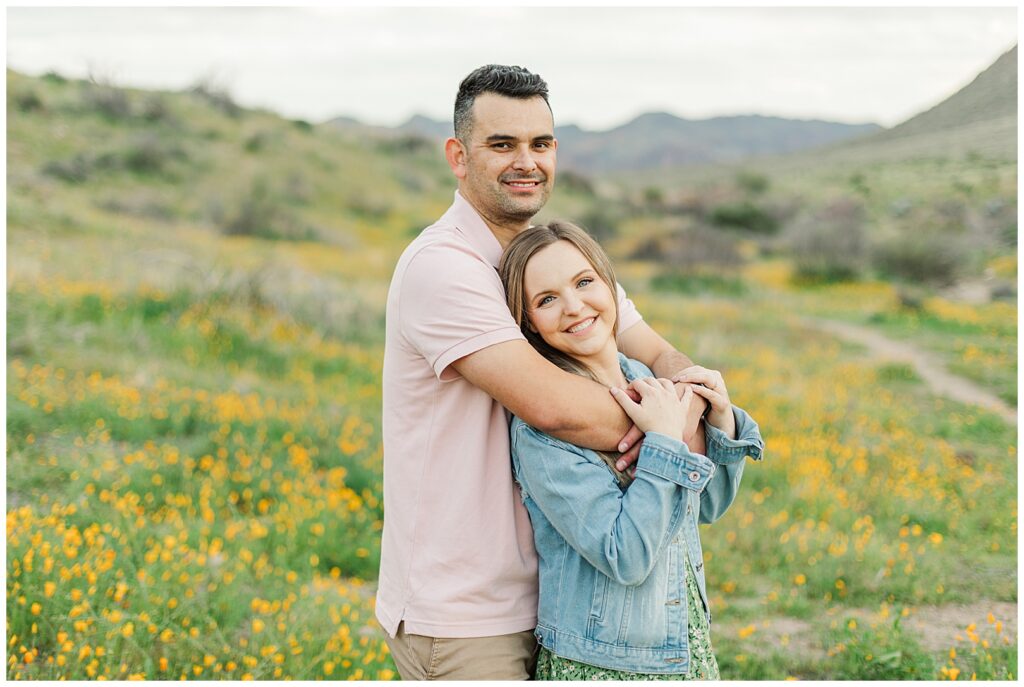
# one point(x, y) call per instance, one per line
point(455, 153)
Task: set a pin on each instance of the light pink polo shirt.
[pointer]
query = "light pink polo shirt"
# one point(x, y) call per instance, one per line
point(457, 556)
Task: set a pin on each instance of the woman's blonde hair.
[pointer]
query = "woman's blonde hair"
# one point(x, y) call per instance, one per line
point(512, 270)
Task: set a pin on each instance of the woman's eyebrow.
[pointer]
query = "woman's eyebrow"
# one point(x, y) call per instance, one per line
point(574, 278)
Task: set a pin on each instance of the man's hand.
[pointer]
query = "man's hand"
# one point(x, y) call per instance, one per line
point(629, 445)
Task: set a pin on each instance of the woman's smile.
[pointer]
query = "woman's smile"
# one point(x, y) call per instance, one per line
point(581, 327)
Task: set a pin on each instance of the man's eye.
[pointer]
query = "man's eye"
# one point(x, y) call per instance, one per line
point(542, 144)
point(502, 146)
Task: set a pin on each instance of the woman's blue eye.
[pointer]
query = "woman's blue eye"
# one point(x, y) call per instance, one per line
point(584, 282)
point(546, 300)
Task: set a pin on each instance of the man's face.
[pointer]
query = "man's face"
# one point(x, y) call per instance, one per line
point(509, 165)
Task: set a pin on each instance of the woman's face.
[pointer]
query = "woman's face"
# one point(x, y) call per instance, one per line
point(567, 303)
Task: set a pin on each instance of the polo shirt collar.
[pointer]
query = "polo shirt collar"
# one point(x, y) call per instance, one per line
point(471, 224)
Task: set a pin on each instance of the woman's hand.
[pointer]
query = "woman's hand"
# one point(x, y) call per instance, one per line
point(660, 409)
point(709, 384)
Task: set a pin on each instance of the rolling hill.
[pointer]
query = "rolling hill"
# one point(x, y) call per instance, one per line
point(657, 140)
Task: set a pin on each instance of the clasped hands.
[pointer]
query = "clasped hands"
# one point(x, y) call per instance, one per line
point(664, 406)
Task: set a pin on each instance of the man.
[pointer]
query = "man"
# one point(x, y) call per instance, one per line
point(458, 580)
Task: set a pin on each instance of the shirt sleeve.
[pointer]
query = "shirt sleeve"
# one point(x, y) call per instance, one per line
point(628, 314)
point(452, 304)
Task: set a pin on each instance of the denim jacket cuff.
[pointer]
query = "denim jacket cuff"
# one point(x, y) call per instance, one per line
point(672, 459)
point(748, 441)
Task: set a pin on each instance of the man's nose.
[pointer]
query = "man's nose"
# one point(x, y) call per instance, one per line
point(524, 160)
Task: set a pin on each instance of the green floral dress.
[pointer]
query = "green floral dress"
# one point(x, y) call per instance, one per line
point(703, 665)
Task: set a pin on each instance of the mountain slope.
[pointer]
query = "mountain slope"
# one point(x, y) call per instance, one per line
point(992, 95)
point(979, 119)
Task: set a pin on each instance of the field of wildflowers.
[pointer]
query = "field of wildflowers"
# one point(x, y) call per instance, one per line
point(193, 432)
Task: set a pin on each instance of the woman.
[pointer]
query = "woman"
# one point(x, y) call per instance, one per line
point(622, 593)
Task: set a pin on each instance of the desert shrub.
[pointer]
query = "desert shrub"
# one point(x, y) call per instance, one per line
point(262, 213)
point(653, 196)
point(54, 77)
point(928, 257)
point(408, 144)
point(138, 204)
point(601, 220)
point(28, 101)
point(107, 100)
point(830, 244)
point(302, 125)
point(948, 215)
point(697, 283)
point(74, 170)
point(369, 208)
point(412, 180)
point(752, 183)
point(691, 250)
point(900, 207)
point(1004, 291)
point(255, 143)
point(859, 184)
point(216, 95)
point(80, 167)
point(576, 182)
point(1000, 218)
point(155, 109)
point(744, 215)
point(297, 189)
point(149, 154)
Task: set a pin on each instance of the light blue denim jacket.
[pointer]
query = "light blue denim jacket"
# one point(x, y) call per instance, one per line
point(612, 586)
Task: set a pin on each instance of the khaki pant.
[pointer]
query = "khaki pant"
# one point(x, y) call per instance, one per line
point(502, 657)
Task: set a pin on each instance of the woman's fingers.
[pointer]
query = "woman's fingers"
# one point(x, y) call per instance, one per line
point(696, 376)
point(643, 386)
point(714, 398)
point(712, 379)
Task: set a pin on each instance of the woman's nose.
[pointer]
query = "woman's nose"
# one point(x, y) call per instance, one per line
point(572, 304)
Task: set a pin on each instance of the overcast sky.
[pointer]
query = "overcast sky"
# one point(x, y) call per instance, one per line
point(603, 65)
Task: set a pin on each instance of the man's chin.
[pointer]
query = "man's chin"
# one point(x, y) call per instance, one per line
point(523, 210)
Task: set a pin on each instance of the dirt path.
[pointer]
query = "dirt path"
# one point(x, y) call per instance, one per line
point(927, 367)
point(936, 628)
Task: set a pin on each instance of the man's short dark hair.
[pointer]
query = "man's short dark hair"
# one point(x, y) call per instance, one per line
point(509, 81)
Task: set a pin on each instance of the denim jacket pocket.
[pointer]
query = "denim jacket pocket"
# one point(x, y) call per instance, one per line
point(597, 604)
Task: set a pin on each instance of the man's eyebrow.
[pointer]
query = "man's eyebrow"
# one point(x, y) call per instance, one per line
point(493, 138)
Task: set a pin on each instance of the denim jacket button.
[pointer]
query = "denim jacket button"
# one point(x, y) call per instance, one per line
point(694, 476)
